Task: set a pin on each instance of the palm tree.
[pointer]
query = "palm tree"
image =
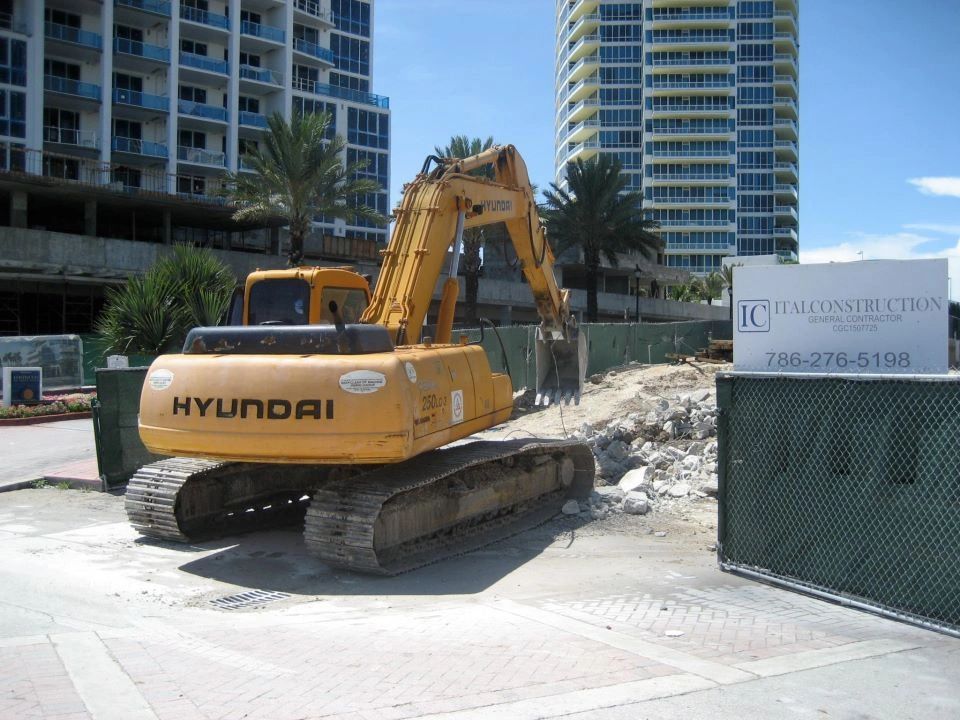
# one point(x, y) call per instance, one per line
point(298, 176)
point(685, 292)
point(152, 314)
point(600, 216)
point(711, 286)
point(461, 147)
point(726, 273)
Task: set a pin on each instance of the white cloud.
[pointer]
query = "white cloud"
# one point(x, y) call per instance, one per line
point(949, 186)
point(935, 227)
point(894, 246)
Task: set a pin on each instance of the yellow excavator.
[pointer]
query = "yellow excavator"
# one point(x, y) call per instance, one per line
point(325, 396)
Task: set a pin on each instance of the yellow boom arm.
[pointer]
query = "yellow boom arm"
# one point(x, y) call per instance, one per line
point(436, 207)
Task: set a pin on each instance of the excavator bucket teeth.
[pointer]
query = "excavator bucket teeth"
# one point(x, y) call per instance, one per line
point(561, 368)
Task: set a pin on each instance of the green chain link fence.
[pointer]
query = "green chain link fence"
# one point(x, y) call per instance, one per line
point(845, 487)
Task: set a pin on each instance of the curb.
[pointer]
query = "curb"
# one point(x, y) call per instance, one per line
point(45, 418)
point(52, 480)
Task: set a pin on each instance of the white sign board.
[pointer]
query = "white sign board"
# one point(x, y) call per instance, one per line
point(877, 317)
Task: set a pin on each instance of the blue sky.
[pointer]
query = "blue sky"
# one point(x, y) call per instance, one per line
point(879, 109)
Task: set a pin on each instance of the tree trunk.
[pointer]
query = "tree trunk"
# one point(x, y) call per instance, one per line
point(295, 254)
point(593, 269)
point(471, 271)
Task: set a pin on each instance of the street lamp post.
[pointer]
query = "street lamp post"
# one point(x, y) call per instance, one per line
point(636, 278)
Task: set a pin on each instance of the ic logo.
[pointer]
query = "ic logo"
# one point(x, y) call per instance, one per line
point(753, 316)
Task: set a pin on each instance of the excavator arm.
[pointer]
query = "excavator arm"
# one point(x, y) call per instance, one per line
point(437, 206)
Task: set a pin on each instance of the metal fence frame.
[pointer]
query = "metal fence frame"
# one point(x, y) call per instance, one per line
point(729, 466)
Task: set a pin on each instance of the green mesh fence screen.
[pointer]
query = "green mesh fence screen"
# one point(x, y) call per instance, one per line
point(848, 487)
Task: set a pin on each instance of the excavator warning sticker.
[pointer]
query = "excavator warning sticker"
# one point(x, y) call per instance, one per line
point(411, 372)
point(160, 379)
point(362, 382)
point(456, 405)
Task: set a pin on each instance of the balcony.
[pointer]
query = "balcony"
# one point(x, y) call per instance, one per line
point(667, 82)
point(786, 190)
point(786, 18)
point(314, 10)
point(157, 7)
point(691, 39)
point(202, 62)
point(668, 201)
point(584, 66)
point(582, 109)
point(786, 84)
point(584, 150)
point(586, 23)
point(140, 54)
point(9, 21)
point(583, 46)
point(786, 233)
point(692, 154)
point(143, 104)
point(786, 128)
point(264, 32)
point(787, 40)
point(199, 156)
point(72, 35)
point(252, 119)
point(64, 86)
point(202, 111)
point(787, 147)
point(785, 105)
point(789, 211)
point(67, 136)
point(693, 178)
point(583, 88)
point(696, 224)
point(682, 109)
point(261, 75)
point(136, 146)
point(581, 130)
point(786, 168)
point(692, 16)
point(693, 63)
point(696, 131)
point(316, 88)
point(204, 17)
point(313, 50)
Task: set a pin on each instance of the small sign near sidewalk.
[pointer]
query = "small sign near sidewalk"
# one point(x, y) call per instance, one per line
point(874, 317)
point(22, 385)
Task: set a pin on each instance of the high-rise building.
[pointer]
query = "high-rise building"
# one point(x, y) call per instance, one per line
point(699, 101)
point(124, 115)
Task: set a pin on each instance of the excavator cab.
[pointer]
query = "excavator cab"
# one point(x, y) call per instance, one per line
point(301, 296)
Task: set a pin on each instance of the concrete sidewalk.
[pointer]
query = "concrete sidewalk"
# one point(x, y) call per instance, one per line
point(62, 451)
point(587, 620)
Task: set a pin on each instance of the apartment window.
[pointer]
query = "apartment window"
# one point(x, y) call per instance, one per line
point(131, 83)
point(13, 113)
point(128, 177)
point(755, 181)
point(619, 33)
point(60, 69)
point(755, 53)
point(620, 138)
point(128, 129)
point(620, 75)
point(307, 105)
point(351, 16)
point(196, 4)
point(755, 138)
point(620, 11)
point(193, 139)
point(12, 156)
point(305, 78)
point(375, 168)
point(128, 33)
point(191, 184)
point(755, 224)
point(350, 54)
point(245, 146)
point(755, 31)
point(752, 160)
point(61, 126)
point(193, 47)
point(62, 168)
point(365, 127)
point(755, 116)
point(755, 73)
point(350, 82)
point(620, 96)
point(251, 17)
point(619, 53)
point(61, 17)
point(755, 203)
point(755, 95)
point(249, 104)
point(13, 61)
point(310, 35)
point(193, 94)
point(249, 59)
point(759, 9)
point(610, 118)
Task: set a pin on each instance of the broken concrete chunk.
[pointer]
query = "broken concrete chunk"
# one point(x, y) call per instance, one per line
point(679, 490)
point(635, 478)
point(570, 507)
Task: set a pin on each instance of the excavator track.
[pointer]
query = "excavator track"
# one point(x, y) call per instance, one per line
point(185, 499)
point(444, 503)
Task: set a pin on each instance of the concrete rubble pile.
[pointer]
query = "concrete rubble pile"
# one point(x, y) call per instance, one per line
point(653, 462)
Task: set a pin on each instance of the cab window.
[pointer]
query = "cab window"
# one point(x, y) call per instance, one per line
point(284, 301)
point(351, 301)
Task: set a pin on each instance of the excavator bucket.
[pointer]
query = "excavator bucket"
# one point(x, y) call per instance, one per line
point(561, 367)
